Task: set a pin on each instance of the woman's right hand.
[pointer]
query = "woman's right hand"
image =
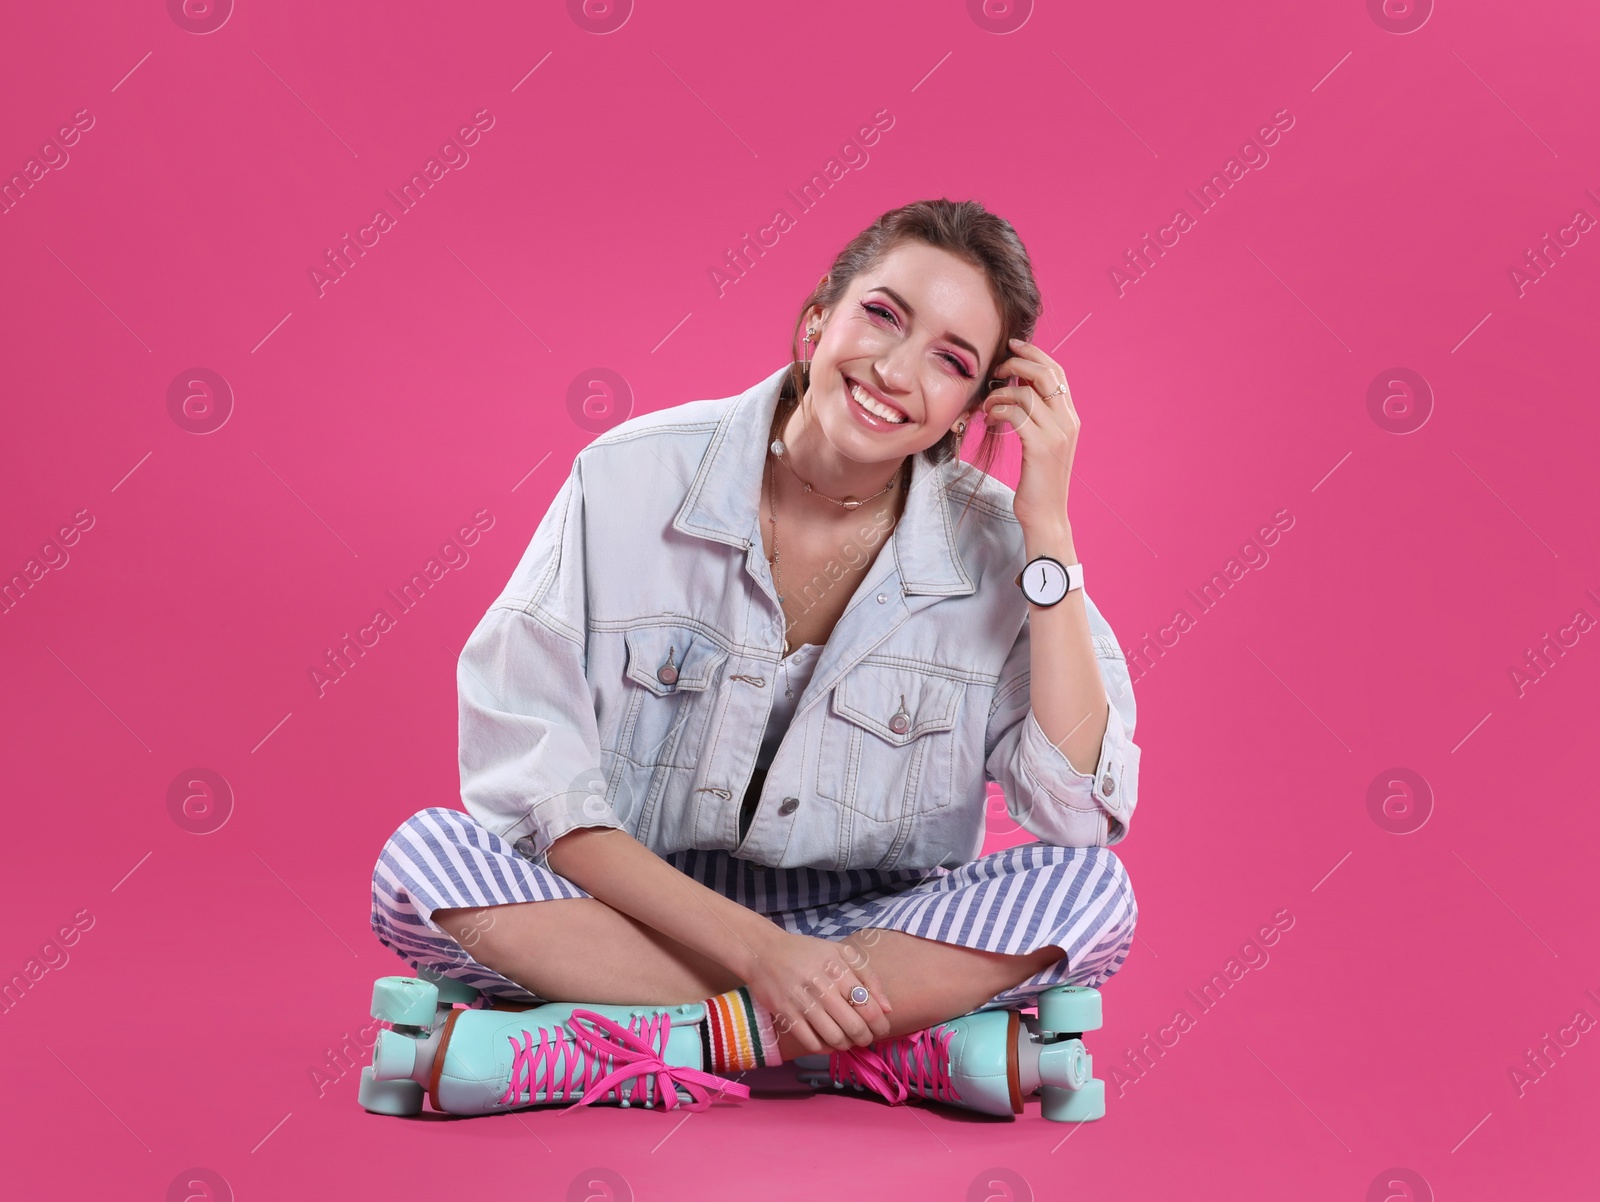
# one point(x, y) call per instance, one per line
point(805, 982)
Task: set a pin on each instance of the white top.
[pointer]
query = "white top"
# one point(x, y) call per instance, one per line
point(792, 676)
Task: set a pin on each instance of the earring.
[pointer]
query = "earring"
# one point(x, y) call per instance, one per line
point(961, 428)
point(806, 343)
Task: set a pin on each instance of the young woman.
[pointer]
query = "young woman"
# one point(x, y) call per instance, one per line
point(726, 735)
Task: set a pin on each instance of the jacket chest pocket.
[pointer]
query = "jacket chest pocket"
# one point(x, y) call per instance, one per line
point(888, 742)
point(671, 670)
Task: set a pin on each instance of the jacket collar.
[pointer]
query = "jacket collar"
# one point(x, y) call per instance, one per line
point(724, 500)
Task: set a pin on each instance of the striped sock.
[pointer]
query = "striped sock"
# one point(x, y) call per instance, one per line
point(738, 1033)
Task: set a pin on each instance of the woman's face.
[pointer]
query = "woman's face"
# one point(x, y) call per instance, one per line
point(915, 333)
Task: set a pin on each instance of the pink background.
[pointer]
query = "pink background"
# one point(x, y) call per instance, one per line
point(1229, 384)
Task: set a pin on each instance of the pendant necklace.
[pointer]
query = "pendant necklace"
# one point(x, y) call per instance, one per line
point(777, 450)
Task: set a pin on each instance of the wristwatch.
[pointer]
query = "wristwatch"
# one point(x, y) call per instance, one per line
point(1045, 581)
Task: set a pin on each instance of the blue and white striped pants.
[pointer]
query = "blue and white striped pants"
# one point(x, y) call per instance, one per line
point(1013, 901)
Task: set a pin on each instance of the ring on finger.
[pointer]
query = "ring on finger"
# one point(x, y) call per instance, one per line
point(859, 996)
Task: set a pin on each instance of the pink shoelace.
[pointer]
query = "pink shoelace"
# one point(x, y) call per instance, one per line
point(599, 1060)
point(894, 1067)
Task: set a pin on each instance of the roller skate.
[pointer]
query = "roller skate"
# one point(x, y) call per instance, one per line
point(479, 1060)
point(987, 1061)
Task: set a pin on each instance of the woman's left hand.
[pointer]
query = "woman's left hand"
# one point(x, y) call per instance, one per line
point(1048, 427)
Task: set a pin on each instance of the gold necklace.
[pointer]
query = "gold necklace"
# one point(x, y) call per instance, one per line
point(777, 451)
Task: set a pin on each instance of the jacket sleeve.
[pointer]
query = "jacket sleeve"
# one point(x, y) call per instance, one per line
point(1045, 794)
point(529, 740)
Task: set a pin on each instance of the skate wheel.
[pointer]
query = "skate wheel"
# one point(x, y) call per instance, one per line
point(399, 1098)
point(1063, 1064)
point(450, 990)
point(394, 1057)
point(1069, 1010)
point(1074, 1105)
point(404, 1001)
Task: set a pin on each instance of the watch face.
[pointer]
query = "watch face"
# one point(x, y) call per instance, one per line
point(1044, 582)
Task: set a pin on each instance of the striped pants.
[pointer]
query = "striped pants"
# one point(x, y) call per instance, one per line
point(1014, 901)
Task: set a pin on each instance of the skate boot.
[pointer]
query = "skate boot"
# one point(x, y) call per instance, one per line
point(484, 1061)
point(986, 1061)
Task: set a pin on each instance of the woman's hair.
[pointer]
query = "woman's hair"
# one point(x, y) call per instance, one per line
point(967, 230)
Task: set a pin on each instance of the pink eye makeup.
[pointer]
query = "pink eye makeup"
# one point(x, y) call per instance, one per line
point(886, 314)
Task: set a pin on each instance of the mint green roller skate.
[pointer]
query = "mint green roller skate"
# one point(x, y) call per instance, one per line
point(986, 1061)
point(484, 1061)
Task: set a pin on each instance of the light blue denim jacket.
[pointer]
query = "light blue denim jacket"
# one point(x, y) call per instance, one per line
point(625, 675)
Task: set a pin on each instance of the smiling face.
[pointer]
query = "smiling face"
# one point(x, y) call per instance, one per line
point(902, 353)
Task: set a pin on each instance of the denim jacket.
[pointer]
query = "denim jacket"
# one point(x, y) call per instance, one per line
point(625, 675)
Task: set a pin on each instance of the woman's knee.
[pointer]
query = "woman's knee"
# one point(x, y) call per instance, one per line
point(1101, 862)
point(430, 832)
point(430, 825)
point(1120, 888)
point(400, 876)
point(1111, 864)
point(1121, 921)
point(1104, 900)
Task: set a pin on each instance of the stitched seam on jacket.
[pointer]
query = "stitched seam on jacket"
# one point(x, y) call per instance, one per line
point(544, 617)
point(559, 537)
point(708, 752)
point(950, 534)
point(923, 667)
point(959, 487)
point(1039, 788)
point(1004, 695)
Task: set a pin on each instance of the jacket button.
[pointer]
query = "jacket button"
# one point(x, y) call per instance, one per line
point(899, 724)
point(1107, 785)
point(883, 598)
point(788, 806)
point(668, 675)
